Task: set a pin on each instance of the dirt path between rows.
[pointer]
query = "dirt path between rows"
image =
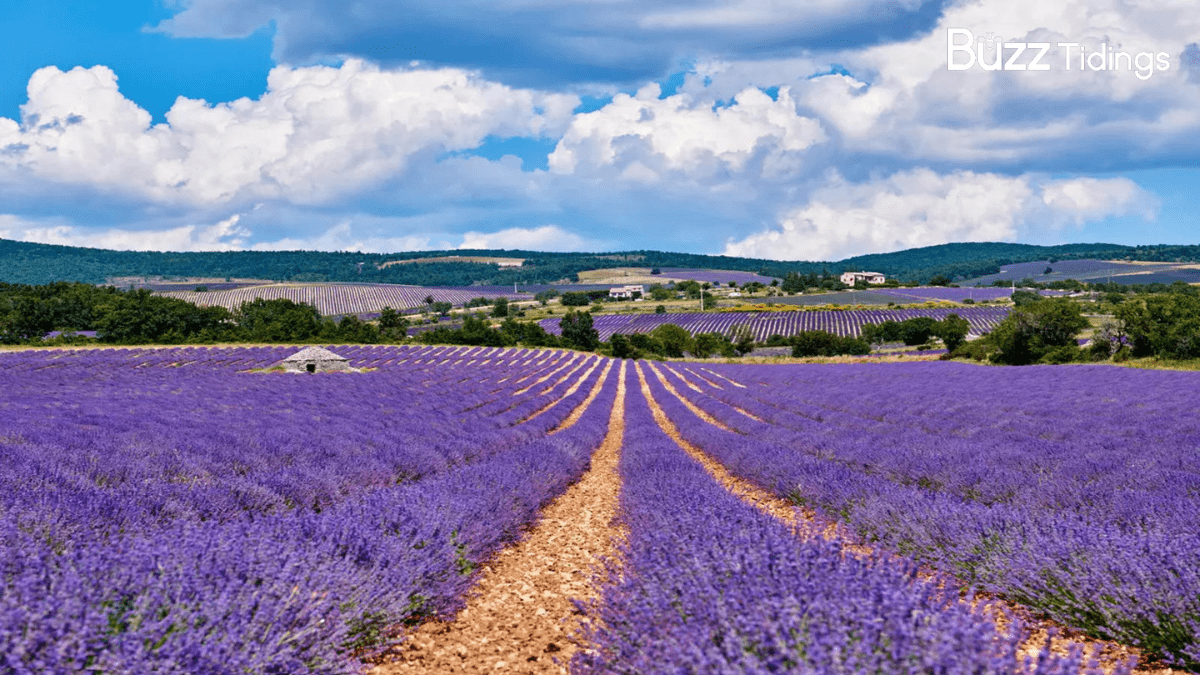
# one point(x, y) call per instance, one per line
point(748, 493)
point(521, 617)
point(1108, 654)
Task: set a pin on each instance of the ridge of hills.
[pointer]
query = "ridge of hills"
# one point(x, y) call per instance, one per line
point(30, 263)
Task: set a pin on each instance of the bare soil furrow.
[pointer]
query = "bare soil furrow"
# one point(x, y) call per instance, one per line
point(521, 617)
point(578, 412)
point(780, 508)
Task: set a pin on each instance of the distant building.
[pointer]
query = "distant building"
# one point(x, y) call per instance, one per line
point(626, 292)
point(851, 278)
point(315, 360)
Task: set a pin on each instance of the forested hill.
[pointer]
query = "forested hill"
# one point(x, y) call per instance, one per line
point(27, 263)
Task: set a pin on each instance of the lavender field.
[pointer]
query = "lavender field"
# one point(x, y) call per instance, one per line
point(1074, 491)
point(163, 511)
point(341, 299)
point(185, 510)
point(717, 277)
point(766, 324)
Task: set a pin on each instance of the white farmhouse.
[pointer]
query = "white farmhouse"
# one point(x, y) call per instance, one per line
point(626, 292)
point(851, 278)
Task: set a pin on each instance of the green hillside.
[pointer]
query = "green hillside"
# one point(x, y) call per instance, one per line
point(27, 263)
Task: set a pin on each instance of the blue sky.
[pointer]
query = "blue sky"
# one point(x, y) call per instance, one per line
point(748, 127)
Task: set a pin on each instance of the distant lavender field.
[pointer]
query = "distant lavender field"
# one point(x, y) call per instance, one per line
point(942, 293)
point(715, 277)
point(163, 511)
point(766, 324)
point(164, 286)
point(341, 299)
point(1092, 270)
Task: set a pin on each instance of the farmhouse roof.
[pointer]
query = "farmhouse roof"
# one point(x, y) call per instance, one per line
point(314, 354)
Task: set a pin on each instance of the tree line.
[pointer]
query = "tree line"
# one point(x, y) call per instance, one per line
point(27, 313)
point(23, 262)
point(1046, 330)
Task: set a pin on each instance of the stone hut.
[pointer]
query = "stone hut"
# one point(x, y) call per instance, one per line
point(315, 360)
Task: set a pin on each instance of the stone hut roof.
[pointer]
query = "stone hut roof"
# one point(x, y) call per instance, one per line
point(318, 354)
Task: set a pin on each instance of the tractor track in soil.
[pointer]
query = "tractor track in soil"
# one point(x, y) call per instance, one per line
point(521, 617)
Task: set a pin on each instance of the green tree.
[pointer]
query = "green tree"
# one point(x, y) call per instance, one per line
point(1032, 331)
point(674, 340)
point(705, 345)
point(621, 349)
point(500, 308)
point(660, 309)
point(821, 343)
point(355, 330)
point(1022, 298)
point(882, 333)
point(742, 339)
point(1164, 325)
point(392, 325)
point(917, 330)
point(953, 331)
point(578, 332)
point(278, 320)
point(575, 299)
point(792, 283)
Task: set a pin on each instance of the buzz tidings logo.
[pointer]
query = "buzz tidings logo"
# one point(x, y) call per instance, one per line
point(990, 52)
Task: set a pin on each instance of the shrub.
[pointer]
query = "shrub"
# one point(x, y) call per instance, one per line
point(820, 343)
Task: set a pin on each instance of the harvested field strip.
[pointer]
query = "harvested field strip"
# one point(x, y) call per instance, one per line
point(521, 617)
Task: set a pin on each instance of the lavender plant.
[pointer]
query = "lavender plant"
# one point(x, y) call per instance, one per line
point(163, 511)
point(1073, 491)
point(711, 584)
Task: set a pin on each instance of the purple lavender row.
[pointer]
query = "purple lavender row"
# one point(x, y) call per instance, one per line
point(1081, 502)
point(710, 584)
point(766, 324)
point(299, 591)
point(360, 356)
point(146, 446)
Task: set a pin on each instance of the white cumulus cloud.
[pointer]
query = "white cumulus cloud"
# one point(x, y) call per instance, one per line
point(544, 238)
point(923, 208)
point(226, 235)
point(645, 136)
point(317, 133)
point(1083, 199)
